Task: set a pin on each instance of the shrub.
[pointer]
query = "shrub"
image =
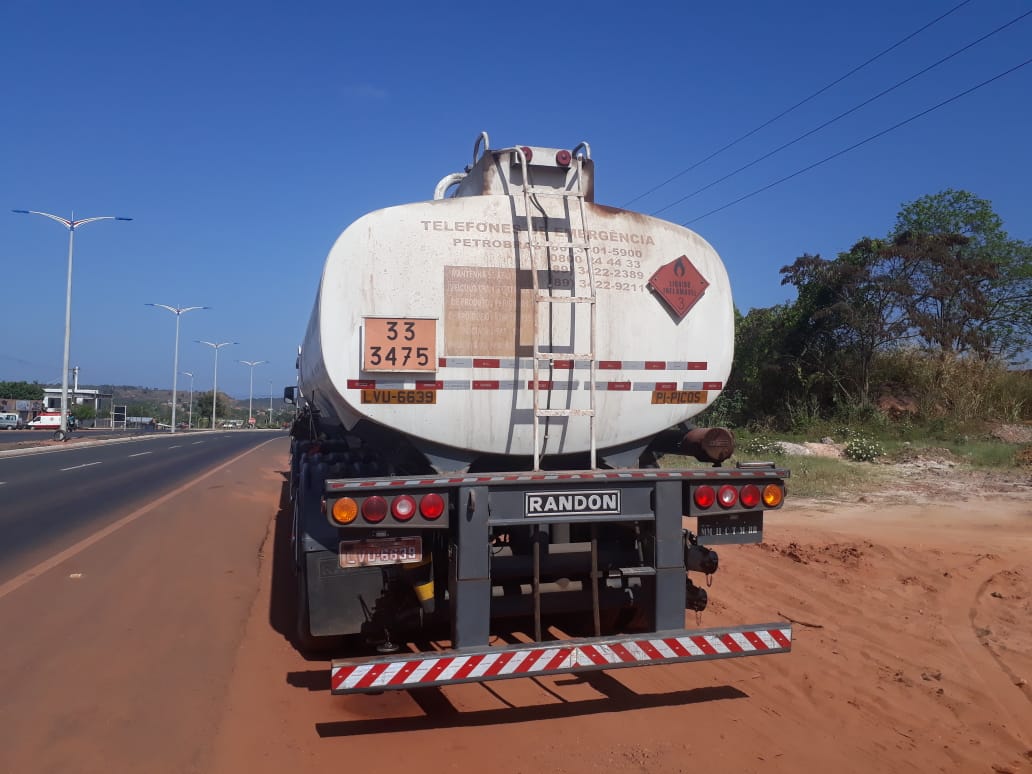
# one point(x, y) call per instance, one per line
point(761, 444)
point(862, 448)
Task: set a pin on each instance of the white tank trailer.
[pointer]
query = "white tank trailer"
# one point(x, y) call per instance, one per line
point(436, 320)
point(485, 387)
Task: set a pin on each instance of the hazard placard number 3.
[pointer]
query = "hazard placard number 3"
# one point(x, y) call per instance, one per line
point(399, 344)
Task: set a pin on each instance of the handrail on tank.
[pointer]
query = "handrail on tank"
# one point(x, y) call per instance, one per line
point(522, 157)
point(476, 146)
point(586, 147)
point(447, 182)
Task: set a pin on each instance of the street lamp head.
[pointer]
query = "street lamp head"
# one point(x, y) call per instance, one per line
point(22, 212)
point(214, 344)
point(120, 218)
point(178, 310)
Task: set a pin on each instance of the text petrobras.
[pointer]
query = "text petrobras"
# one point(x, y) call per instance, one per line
point(572, 503)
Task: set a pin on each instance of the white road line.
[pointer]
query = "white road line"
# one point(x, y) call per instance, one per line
point(139, 454)
point(176, 446)
point(196, 442)
point(84, 465)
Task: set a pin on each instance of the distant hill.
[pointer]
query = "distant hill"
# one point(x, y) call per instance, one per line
point(127, 394)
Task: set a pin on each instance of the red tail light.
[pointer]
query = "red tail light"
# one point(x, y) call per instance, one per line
point(374, 509)
point(750, 495)
point(704, 496)
point(403, 508)
point(528, 154)
point(563, 158)
point(727, 496)
point(431, 506)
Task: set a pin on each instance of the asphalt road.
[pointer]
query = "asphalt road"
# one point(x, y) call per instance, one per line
point(50, 499)
point(128, 571)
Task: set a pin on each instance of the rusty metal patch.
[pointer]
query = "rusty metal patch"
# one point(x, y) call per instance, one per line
point(679, 284)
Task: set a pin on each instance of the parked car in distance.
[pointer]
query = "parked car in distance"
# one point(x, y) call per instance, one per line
point(11, 422)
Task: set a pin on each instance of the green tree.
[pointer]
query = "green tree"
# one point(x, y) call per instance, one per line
point(21, 390)
point(854, 309)
point(83, 411)
point(970, 284)
point(202, 407)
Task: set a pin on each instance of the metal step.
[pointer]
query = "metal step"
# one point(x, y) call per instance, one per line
point(546, 297)
point(584, 356)
point(562, 245)
point(565, 194)
point(565, 412)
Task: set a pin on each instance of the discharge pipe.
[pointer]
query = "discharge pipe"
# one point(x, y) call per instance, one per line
point(706, 444)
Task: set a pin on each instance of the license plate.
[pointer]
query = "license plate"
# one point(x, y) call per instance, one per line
point(730, 529)
point(380, 551)
point(676, 397)
point(404, 397)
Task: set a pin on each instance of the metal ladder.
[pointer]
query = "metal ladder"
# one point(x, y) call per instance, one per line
point(577, 249)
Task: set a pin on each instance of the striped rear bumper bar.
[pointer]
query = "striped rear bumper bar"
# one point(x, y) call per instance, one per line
point(471, 665)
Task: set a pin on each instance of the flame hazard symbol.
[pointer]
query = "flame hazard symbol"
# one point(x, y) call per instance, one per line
point(679, 284)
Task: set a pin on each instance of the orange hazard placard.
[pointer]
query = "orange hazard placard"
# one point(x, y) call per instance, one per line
point(399, 344)
point(679, 284)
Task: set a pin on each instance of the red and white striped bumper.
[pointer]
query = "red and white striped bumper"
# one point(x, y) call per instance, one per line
point(421, 670)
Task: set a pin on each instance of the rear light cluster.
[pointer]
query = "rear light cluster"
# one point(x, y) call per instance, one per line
point(375, 509)
point(728, 496)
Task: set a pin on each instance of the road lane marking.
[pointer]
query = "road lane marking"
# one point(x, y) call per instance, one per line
point(196, 442)
point(34, 572)
point(84, 465)
point(139, 454)
point(175, 447)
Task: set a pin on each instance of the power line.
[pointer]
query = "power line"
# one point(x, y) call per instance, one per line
point(840, 116)
point(856, 145)
point(799, 104)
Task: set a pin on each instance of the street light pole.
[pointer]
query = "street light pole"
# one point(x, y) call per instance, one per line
point(178, 311)
point(270, 402)
point(215, 381)
point(189, 421)
point(71, 225)
point(250, 395)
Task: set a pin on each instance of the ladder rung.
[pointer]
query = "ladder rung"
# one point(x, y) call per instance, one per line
point(553, 194)
point(564, 356)
point(561, 245)
point(565, 412)
point(545, 297)
point(629, 572)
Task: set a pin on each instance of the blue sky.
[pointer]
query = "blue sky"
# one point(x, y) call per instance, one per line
point(242, 138)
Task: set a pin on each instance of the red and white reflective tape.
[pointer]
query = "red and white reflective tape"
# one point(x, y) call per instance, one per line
point(418, 670)
point(603, 365)
point(501, 384)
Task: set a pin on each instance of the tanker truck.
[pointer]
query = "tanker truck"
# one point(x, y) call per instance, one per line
point(486, 387)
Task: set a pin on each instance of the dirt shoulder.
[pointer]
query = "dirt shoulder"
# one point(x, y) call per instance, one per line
point(912, 642)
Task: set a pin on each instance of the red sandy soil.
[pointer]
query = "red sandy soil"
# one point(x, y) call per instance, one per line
point(913, 648)
point(164, 647)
